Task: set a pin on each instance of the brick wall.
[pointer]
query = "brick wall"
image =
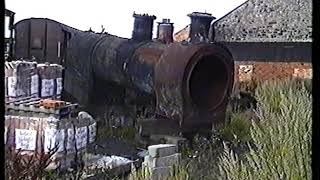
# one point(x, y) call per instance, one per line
point(275, 71)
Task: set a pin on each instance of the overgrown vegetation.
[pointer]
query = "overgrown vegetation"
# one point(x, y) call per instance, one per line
point(238, 129)
point(281, 138)
point(19, 165)
point(123, 133)
point(271, 142)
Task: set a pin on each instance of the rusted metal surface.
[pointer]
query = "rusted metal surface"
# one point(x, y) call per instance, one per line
point(179, 97)
point(143, 26)
point(190, 82)
point(200, 25)
point(43, 39)
point(171, 72)
point(165, 31)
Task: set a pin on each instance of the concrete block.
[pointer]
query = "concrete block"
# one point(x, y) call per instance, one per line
point(163, 161)
point(179, 141)
point(147, 161)
point(167, 160)
point(160, 173)
point(161, 150)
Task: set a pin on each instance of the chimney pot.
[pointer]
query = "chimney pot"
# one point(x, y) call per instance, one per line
point(143, 26)
point(200, 26)
point(165, 31)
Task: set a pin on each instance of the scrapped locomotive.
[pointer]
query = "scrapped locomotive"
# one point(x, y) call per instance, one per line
point(189, 82)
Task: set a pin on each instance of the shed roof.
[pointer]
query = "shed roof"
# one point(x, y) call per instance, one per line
point(267, 21)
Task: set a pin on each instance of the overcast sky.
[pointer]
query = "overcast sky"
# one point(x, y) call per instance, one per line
point(116, 16)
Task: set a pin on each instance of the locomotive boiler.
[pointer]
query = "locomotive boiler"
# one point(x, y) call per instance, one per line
point(189, 82)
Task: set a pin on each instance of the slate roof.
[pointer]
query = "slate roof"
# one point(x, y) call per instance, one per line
point(267, 21)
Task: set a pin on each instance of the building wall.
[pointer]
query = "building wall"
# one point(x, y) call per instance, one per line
point(279, 22)
point(263, 21)
point(274, 71)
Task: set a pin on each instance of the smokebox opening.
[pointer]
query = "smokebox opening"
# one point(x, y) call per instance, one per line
point(208, 82)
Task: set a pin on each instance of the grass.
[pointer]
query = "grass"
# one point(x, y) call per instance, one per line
point(123, 133)
point(276, 144)
point(238, 129)
point(281, 138)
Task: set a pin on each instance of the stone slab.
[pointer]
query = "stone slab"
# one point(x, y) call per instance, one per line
point(161, 150)
point(163, 161)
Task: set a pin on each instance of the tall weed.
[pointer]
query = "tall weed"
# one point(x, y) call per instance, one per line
point(281, 139)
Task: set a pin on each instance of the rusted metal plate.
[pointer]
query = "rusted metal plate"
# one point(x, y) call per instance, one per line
point(169, 74)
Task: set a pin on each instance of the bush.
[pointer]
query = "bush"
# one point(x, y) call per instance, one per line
point(237, 130)
point(19, 165)
point(281, 138)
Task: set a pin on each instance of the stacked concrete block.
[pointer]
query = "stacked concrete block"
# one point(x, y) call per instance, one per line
point(34, 134)
point(40, 132)
point(54, 135)
point(92, 130)
point(58, 82)
point(161, 160)
point(24, 79)
point(50, 80)
point(20, 79)
point(34, 87)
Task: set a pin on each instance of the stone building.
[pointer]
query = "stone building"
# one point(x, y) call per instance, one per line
point(269, 39)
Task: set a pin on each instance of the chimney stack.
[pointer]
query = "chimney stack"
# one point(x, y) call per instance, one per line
point(165, 31)
point(143, 26)
point(200, 26)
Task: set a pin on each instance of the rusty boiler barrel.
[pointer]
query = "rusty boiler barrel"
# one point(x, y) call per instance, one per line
point(191, 82)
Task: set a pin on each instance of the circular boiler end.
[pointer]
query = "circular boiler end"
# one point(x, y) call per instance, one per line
point(208, 81)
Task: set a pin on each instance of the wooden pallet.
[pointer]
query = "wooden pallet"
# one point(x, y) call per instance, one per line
point(38, 105)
